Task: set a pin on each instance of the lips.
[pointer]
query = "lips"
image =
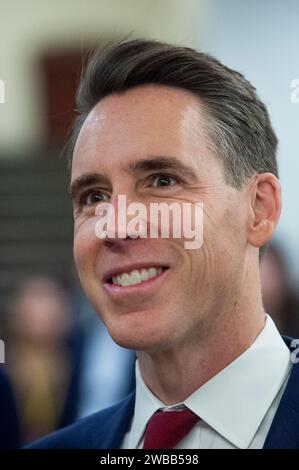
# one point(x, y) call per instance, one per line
point(137, 290)
point(133, 274)
point(133, 269)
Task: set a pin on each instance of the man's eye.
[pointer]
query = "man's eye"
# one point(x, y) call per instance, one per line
point(92, 197)
point(164, 180)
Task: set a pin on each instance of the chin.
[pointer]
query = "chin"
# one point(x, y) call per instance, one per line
point(139, 336)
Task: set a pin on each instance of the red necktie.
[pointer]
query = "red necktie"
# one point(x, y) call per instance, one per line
point(166, 428)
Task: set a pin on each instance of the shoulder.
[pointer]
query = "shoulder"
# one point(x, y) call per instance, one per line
point(9, 424)
point(76, 436)
point(87, 433)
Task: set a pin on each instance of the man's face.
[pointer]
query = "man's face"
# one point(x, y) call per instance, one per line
point(184, 301)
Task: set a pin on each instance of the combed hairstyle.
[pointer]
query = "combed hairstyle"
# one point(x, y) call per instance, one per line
point(238, 124)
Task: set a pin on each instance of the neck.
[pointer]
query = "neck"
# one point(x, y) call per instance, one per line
point(175, 373)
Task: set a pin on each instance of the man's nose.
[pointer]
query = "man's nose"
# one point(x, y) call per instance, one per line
point(123, 230)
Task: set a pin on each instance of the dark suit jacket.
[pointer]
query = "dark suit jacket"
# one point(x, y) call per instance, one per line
point(9, 425)
point(106, 429)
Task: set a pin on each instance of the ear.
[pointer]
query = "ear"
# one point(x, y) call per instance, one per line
point(265, 208)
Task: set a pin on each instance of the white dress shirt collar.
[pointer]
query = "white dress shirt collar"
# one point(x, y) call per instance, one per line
point(235, 401)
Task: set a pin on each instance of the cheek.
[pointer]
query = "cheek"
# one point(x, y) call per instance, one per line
point(211, 237)
point(85, 245)
point(219, 240)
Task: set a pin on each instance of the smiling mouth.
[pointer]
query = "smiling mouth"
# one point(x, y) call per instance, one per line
point(136, 276)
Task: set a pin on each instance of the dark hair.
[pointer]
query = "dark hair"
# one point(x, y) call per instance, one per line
point(238, 124)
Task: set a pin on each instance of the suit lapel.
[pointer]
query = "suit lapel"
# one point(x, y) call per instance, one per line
point(109, 433)
point(284, 431)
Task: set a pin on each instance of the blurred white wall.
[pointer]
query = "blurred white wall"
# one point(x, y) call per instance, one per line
point(29, 26)
point(261, 40)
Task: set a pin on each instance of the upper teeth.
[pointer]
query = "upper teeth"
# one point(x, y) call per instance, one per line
point(136, 276)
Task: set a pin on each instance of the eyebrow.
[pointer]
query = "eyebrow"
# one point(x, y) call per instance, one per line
point(156, 163)
point(84, 181)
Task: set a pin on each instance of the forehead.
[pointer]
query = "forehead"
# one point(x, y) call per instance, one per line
point(148, 120)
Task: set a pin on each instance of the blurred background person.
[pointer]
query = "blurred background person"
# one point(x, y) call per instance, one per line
point(40, 359)
point(9, 423)
point(280, 299)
